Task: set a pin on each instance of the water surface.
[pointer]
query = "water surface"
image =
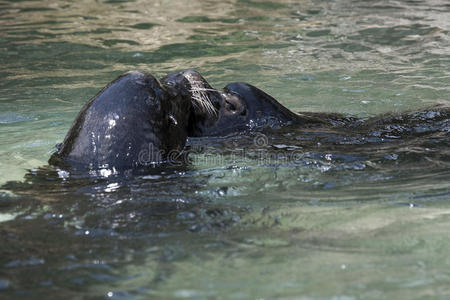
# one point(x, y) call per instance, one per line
point(292, 218)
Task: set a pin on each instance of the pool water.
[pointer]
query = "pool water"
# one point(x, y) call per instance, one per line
point(290, 214)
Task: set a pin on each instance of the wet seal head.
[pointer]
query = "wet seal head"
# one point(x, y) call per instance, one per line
point(132, 122)
point(238, 107)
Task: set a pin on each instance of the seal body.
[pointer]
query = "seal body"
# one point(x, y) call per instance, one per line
point(132, 122)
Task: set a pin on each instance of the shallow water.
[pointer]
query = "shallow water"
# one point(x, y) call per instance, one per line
point(287, 215)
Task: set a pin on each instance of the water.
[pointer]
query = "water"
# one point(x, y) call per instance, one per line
point(285, 219)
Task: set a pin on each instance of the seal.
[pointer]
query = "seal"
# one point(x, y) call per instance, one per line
point(131, 122)
point(239, 107)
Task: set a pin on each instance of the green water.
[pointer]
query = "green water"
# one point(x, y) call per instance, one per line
point(357, 225)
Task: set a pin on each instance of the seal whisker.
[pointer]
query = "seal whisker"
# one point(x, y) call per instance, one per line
point(203, 90)
point(200, 97)
point(203, 102)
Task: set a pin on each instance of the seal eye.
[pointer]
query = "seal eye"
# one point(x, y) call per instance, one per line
point(230, 106)
point(233, 104)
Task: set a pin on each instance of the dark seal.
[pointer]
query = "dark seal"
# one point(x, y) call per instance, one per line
point(239, 107)
point(131, 122)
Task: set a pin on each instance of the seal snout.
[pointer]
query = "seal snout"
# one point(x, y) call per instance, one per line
point(190, 84)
